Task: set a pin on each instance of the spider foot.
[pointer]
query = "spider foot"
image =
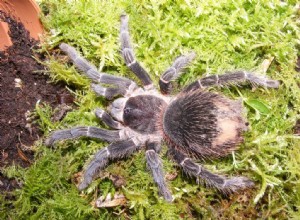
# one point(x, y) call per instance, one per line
point(236, 184)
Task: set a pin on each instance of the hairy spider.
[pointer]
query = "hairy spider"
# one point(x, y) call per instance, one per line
point(195, 123)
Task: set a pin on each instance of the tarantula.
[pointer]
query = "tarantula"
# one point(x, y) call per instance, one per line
point(195, 124)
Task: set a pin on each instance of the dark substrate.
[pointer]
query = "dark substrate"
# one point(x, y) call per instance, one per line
point(22, 84)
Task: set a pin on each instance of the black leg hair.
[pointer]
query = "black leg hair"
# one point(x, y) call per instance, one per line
point(128, 54)
point(91, 71)
point(237, 77)
point(221, 183)
point(77, 132)
point(107, 119)
point(174, 71)
point(155, 165)
point(115, 150)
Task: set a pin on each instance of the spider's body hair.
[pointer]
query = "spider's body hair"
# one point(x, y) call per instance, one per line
point(204, 124)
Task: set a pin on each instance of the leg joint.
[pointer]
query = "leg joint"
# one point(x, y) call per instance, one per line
point(107, 151)
point(183, 161)
point(149, 151)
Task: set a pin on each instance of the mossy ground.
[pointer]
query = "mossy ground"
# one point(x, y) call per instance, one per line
point(226, 35)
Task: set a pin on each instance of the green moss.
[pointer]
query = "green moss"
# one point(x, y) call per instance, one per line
point(226, 35)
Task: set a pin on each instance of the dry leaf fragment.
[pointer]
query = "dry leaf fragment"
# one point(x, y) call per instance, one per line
point(117, 200)
point(266, 64)
point(171, 176)
point(22, 155)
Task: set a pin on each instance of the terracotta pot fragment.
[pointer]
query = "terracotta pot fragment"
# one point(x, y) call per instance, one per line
point(4, 38)
point(27, 11)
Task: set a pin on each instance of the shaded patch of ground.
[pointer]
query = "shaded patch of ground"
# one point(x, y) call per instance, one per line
point(22, 84)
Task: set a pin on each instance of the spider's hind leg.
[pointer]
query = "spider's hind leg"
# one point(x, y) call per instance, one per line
point(237, 77)
point(221, 183)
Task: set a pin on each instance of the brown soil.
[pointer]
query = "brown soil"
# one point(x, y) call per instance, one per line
point(22, 84)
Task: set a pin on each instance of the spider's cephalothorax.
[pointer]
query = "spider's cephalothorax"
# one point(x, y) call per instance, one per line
point(195, 124)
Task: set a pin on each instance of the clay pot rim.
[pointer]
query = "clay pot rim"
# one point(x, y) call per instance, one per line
point(29, 16)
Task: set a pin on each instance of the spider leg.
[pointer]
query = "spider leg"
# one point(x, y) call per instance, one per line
point(83, 131)
point(221, 183)
point(237, 77)
point(174, 71)
point(115, 150)
point(91, 71)
point(128, 54)
point(107, 119)
point(155, 165)
point(108, 92)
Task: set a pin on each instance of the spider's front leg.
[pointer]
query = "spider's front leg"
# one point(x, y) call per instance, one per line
point(174, 71)
point(237, 77)
point(221, 183)
point(120, 85)
point(83, 131)
point(121, 147)
point(128, 54)
point(107, 119)
point(155, 165)
point(115, 150)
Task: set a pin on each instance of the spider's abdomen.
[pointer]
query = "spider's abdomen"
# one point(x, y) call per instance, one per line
point(141, 113)
point(204, 124)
